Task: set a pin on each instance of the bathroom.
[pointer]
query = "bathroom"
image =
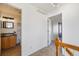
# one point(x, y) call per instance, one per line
point(10, 30)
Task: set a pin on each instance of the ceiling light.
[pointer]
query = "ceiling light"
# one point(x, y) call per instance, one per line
point(53, 4)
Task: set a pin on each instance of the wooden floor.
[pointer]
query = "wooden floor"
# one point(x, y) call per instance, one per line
point(47, 51)
point(15, 51)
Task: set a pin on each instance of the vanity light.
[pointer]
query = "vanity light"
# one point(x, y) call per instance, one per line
point(8, 18)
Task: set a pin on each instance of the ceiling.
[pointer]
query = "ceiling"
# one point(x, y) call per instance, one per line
point(55, 19)
point(46, 8)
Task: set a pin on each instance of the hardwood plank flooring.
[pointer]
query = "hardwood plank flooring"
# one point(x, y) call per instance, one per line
point(47, 51)
point(14, 51)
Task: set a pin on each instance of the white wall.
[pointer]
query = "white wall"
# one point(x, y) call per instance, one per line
point(34, 29)
point(70, 17)
point(70, 24)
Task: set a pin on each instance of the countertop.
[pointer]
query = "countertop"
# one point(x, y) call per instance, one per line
point(7, 34)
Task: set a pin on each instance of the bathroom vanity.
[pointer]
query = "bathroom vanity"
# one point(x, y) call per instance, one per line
point(8, 40)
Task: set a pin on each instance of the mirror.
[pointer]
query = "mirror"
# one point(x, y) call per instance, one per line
point(8, 24)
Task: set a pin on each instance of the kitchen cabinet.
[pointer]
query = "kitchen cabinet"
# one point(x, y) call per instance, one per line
point(8, 41)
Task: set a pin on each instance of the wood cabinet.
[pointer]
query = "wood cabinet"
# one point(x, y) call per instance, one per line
point(8, 42)
point(12, 41)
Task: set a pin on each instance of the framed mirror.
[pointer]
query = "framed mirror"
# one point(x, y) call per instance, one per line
point(8, 24)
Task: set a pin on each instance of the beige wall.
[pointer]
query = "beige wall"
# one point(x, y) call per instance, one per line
point(11, 11)
point(15, 21)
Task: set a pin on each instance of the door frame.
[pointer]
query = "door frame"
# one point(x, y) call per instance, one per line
point(48, 26)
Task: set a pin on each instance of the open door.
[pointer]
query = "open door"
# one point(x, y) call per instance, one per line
point(10, 30)
point(60, 30)
point(0, 37)
point(54, 28)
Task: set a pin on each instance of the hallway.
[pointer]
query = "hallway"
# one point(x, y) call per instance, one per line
point(47, 51)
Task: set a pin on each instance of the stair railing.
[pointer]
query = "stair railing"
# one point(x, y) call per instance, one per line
point(59, 44)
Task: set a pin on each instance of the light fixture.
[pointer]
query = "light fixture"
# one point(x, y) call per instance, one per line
point(53, 4)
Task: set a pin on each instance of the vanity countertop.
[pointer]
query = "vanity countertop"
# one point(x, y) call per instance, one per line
point(7, 34)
